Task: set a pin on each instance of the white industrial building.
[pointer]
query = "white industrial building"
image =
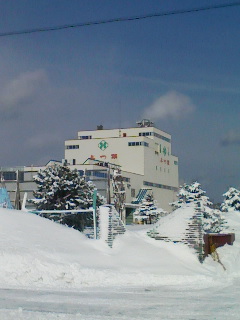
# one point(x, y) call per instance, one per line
point(143, 154)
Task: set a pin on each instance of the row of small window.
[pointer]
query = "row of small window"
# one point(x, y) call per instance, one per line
point(140, 143)
point(102, 174)
point(75, 146)
point(157, 185)
point(160, 169)
point(146, 134)
point(93, 173)
point(96, 173)
point(12, 176)
point(84, 137)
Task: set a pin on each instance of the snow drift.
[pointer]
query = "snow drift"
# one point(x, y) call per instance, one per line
point(36, 252)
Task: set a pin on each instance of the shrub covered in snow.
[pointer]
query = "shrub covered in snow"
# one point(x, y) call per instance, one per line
point(231, 201)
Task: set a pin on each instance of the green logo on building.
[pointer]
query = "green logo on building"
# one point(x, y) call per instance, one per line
point(164, 151)
point(103, 145)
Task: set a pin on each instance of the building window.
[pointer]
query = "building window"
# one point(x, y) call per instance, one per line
point(75, 146)
point(74, 162)
point(145, 134)
point(12, 176)
point(161, 186)
point(85, 137)
point(142, 143)
point(161, 137)
point(96, 173)
point(176, 163)
point(133, 193)
point(155, 134)
point(124, 134)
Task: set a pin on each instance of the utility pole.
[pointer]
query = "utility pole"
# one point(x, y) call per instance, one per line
point(95, 213)
point(108, 185)
point(17, 198)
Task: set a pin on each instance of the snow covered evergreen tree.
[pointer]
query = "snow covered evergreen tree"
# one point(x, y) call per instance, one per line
point(57, 188)
point(231, 201)
point(213, 220)
point(148, 211)
point(60, 188)
point(191, 193)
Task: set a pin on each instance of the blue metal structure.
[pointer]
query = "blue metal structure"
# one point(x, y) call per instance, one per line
point(4, 199)
point(141, 195)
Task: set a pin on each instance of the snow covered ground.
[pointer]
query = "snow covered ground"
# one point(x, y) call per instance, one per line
point(118, 303)
point(48, 271)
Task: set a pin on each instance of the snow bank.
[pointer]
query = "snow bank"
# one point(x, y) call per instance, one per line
point(230, 255)
point(36, 252)
point(174, 225)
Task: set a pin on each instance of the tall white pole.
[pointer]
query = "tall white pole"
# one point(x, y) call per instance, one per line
point(95, 213)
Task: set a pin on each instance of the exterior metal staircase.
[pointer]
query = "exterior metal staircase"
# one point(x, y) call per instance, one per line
point(114, 226)
point(141, 194)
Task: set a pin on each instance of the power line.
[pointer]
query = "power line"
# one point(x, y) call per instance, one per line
point(123, 19)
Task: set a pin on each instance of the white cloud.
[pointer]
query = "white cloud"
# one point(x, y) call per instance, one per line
point(173, 104)
point(231, 138)
point(18, 93)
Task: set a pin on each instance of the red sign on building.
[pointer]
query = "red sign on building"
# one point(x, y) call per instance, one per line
point(114, 156)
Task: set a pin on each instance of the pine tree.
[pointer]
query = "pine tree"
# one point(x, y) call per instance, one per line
point(60, 188)
point(148, 211)
point(57, 188)
point(213, 220)
point(191, 194)
point(231, 201)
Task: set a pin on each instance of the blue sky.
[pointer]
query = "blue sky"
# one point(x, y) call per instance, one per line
point(183, 70)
